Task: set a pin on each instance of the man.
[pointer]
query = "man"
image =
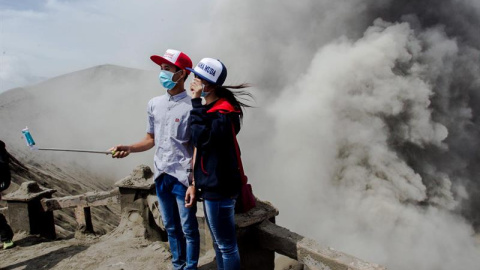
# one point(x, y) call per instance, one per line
point(168, 129)
point(6, 233)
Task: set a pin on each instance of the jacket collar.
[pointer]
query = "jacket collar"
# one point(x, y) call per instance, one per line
point(223, 106)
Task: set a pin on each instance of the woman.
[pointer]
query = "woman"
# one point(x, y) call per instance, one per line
point(216, 169)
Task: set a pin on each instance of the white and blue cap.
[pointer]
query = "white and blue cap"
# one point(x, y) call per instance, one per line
point(210, 70)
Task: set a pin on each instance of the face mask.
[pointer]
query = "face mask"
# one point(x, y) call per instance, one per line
point(165, 78)
point(204, 94)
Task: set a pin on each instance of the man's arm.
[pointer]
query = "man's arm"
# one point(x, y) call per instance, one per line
point(121, 151)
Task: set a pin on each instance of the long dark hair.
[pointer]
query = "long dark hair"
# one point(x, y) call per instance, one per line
point(235, 97)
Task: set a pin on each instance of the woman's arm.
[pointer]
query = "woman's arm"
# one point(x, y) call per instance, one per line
point(208, 131)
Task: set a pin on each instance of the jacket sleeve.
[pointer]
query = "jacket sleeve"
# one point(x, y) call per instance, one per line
point(209, 131)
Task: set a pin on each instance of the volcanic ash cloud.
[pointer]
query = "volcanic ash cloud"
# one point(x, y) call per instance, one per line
point(352, 117)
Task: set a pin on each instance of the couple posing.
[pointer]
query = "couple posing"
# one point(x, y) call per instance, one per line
point(195, 156)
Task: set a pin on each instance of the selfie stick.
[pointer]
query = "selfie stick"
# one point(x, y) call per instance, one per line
point(31, 144)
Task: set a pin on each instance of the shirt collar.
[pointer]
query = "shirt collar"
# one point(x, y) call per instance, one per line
point(178, 96)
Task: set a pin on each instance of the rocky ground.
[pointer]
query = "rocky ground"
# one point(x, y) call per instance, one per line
point(108, 252)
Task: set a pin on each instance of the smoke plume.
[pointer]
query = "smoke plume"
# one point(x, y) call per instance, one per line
point(366, 134)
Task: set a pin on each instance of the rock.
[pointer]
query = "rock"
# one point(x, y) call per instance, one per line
point(140, 178)
point(29, 191)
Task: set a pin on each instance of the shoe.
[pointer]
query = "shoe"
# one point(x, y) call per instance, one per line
point(8, 244)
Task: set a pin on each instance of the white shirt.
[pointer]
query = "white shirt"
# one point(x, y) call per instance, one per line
point(168, 120)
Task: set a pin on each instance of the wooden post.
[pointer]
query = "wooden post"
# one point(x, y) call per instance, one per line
point(252, 254)
point(25, 212)
point(84, 219)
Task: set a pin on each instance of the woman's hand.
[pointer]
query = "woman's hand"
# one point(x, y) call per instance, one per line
point(190, 197)
point(196, 88)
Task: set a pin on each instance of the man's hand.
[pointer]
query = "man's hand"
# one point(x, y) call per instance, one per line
point(190, 197)
point(120, 151)
point(196, 88)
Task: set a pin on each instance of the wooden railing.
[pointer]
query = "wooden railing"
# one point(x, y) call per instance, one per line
point(307, 251)
point(30, 209)
point(82, 204)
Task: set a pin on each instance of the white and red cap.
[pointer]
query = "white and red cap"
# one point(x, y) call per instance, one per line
point(174, 57)
point(211, 70)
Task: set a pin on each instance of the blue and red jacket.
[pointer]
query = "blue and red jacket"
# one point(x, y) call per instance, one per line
point(216, 171)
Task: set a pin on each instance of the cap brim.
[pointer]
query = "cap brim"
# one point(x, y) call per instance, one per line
point(200, 75)
point(160, 60)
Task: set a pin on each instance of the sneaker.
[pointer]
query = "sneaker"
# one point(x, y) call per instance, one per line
point(8, 244)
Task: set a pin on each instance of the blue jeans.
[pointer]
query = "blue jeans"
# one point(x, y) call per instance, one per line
point(180, 222)
point(220, 219)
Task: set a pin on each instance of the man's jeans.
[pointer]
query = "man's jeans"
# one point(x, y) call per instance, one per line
point(180, 222)
point(220, 219)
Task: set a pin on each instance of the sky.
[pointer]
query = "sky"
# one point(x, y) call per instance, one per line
point(43, 39)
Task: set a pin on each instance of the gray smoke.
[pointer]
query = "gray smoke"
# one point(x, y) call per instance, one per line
point(451, 52)
point(366, 133)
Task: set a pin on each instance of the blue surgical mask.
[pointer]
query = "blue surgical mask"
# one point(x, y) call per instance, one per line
point(204, 94)
point(165, 78)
